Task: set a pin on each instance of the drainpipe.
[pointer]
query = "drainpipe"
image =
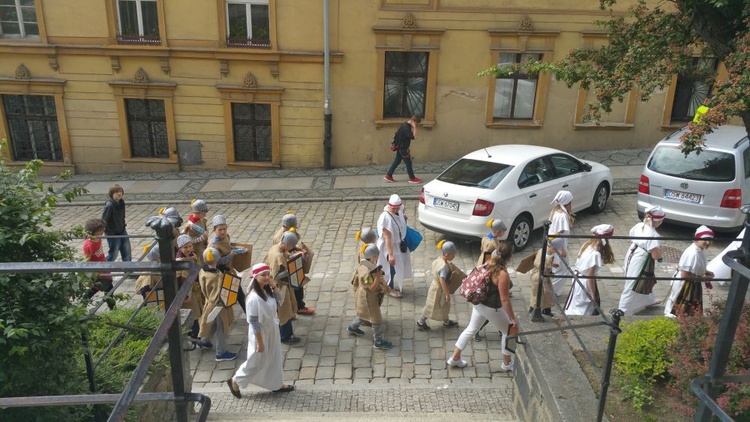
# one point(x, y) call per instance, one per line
point(327, 145)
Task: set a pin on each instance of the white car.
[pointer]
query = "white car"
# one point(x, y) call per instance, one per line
point(514, 183)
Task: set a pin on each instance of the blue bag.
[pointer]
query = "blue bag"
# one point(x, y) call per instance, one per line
point(413, 239)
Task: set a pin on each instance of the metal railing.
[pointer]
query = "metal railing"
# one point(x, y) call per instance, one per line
point(167, 330)
point(705, 387)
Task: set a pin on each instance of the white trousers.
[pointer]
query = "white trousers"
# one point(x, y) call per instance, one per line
point(479, 314)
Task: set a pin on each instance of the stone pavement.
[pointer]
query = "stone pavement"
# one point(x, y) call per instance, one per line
point(338, 375)
point(303, 184)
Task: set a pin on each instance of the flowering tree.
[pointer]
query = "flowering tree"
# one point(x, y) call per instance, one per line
point(653, 43)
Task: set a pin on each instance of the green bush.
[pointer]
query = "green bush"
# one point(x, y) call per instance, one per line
point(40, 337)
point(642, 359)
point(117, 367)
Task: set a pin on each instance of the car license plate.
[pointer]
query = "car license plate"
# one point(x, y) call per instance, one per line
point(693, 198)
point(444, 203)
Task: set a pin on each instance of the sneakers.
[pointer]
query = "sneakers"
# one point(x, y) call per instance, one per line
point(366, 323)
point(456, 363)
point(450, 324)
point(226, 356)
point(382, 344)
point(508, 367)
point(355, 331)
point(204, 344)
point(423, 326)
point(415, 180)
point(291, 340)
point(389, 179)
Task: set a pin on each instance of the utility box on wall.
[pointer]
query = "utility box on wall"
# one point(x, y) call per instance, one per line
point(189, 153)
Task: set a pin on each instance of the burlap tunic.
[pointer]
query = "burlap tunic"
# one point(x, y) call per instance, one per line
point(367, 301)
point(276, 258)
point(149, 280)
point(210, 282)
point(548, 300)
point(489, 244)
point(198, 247)
point(309, 254)
point(195, 301)
point(436, 307)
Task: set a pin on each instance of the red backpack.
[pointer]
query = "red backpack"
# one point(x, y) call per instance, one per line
point(476, 285)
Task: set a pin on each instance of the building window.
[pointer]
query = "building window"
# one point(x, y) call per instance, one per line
point(515, 94)
point(147, 128)
point(251, 125)
point(690, 91)
point(138, 21)
point(34, 134)
point(405, 83)
point(18, 19)
point(248, 24)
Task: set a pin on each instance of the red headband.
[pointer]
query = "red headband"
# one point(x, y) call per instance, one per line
point(658, 217)
point(260, 269)
point(605, 234)
point(706, 233)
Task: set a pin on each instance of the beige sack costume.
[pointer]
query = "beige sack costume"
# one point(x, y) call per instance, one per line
point(149, 280)
point(195, 301)
point(210, 282)
point(367, 302)
point(277, 258)
point(435, 307)
point(309, 254)
point(548, 300)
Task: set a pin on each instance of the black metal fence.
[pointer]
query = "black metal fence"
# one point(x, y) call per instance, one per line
point(168, 330)
point(706, 387)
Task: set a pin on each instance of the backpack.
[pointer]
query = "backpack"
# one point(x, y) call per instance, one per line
point(476, 286)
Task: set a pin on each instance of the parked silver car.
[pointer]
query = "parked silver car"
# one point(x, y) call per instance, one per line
point(706, 188)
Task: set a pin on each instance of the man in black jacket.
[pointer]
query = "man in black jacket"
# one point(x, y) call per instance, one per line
point(402, 140)
point(114, 216)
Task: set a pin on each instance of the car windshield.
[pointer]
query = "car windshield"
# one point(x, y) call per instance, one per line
point(475, 173)
point(710, 166)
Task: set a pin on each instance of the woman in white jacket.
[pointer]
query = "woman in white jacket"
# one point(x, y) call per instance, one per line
point(395, 257)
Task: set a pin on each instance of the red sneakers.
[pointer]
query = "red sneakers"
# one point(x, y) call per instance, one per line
point(389, 179)
point(415, 180)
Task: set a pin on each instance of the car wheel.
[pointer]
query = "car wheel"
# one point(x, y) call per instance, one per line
point(601, 196)
point(520, 232)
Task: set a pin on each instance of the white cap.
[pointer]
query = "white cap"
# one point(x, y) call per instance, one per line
point(704, 232)
point(395, 201)
point(219, 220)
point(563, 197)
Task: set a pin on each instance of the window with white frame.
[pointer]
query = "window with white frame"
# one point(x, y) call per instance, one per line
point(139, 22)
point(515, 94)
point(248, 24)
point(18, 19)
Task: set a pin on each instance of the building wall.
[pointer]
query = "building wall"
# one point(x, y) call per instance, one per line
point(79, 57)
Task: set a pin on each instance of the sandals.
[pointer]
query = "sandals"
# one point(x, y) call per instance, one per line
point(234, 388)
point(285, 389)
point(305, 311)
point(396, 294)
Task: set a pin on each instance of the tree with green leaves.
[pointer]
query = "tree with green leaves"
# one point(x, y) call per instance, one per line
point(40, 316)
point(650, 44)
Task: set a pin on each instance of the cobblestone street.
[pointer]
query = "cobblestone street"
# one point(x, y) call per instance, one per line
point(336, 372)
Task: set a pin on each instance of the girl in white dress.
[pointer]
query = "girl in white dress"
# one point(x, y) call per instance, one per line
point(686, 296)
point(561, 220)
point(639, 262)
point(395, 257)
point(593, 254)
point(263, 366)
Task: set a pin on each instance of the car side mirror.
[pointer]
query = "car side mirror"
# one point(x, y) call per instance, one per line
point(587, 166)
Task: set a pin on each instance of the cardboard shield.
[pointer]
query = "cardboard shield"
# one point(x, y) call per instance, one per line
point(230, 285)
point(155, 300)
point(456, 278)
point(296, 268)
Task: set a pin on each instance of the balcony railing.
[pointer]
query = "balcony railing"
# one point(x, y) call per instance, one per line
point(240, 42)
point(138, 39)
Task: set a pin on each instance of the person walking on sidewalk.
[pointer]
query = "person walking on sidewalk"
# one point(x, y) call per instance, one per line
point(495, 308)
point(401, 142)
point(264, 364)
point(114, 218)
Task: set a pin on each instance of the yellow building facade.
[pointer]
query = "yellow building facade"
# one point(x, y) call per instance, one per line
point(106, 86)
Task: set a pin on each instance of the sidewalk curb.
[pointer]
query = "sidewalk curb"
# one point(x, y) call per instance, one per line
point(276, 200)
